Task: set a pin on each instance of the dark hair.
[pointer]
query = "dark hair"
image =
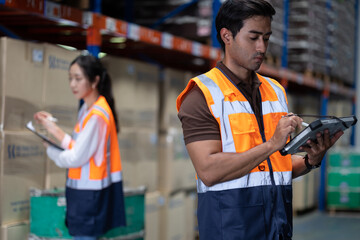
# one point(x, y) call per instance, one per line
point(93, 67)
point(232, 14)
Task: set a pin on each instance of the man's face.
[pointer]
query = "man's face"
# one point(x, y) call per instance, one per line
point(248, 48)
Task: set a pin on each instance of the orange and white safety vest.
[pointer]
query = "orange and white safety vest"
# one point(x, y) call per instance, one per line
point(90, 176)
point(257, 205)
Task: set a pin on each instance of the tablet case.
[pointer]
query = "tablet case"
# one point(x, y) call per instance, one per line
point(30, 126)
point(334, 124)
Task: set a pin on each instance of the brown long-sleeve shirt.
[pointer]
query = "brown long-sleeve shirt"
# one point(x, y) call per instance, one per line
point(197, 121)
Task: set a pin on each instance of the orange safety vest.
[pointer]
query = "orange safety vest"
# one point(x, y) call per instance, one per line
point(91, 176)
point(239, 128)
point(257, 205)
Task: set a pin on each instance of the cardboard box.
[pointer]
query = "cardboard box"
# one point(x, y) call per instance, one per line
point(191, 215)
point(21, 78)
point(59, 101)
point(22, 168)
point(15, 231)
point(135, 89)
point(154, 201)
point(55, 177)
point(305, 191)
point(173, 217)
point(139, 157)
point(176, 171)
point(174, 83)
point(299, 193)
point(57, 96)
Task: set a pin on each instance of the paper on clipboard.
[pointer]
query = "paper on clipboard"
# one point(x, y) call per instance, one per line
point(30, 126)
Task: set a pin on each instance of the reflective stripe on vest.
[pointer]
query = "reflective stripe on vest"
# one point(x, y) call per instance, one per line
point(90, 176)
point(229, 106)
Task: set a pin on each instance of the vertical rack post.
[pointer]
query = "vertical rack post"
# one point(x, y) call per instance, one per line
point(284, 54)
point(93, 34)
point(323, 111)
point(355, 134)
point(215, 6)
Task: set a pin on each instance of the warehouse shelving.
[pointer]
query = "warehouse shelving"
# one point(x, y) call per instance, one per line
point(43, 20)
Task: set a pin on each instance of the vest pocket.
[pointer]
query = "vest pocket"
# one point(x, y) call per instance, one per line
point(242, 123)
point(244, 131)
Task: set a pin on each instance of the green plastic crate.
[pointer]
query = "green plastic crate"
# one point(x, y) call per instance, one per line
point(349, 177)
point(47, 215)
point(343, 199)
point(342, 159)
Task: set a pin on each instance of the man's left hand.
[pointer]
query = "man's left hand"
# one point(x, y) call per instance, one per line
point(316, 150)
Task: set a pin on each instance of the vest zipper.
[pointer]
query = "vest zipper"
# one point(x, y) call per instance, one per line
point(262, 133)
point(264, 140)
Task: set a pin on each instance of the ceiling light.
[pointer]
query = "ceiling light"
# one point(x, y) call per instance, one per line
point(118, 40)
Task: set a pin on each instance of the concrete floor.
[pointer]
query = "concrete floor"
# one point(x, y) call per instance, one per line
point(327, 226)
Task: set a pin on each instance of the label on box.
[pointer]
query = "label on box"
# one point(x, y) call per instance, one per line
point(37, 55)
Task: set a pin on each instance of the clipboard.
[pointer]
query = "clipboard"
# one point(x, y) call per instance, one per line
point(334, 124)
point(30, 126)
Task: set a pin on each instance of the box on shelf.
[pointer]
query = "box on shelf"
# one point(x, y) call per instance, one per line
point(22, 167)
point(55, 177)
point(139, 157)
point(136, 91)
point(57, 96)
point(176, 171)
point(305, 189)
point(191, 215)
point(154, 202)
point(15, 231)
point(21, 89)
point(174, 83)
point(173, 217)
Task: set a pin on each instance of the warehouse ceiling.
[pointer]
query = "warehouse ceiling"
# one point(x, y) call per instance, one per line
point(189, 19)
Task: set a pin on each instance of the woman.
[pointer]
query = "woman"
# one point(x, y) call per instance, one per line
point(94, 193)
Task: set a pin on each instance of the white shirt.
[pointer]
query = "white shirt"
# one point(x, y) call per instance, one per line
point(89, 143)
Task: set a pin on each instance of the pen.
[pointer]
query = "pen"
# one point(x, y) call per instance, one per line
point(304, 124)
point(52, 119)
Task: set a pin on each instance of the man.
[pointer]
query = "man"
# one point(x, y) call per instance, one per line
point(234, 126)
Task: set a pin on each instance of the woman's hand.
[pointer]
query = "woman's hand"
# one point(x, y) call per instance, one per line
point(44, 118)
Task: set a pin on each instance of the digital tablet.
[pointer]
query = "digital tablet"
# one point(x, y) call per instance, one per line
point(30, 126)
point(334, 125)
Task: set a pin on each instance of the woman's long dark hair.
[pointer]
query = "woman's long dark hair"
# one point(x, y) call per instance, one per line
point(93, 67)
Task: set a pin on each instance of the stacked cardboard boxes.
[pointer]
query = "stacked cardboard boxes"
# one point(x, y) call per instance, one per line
point(33, 77)
point(177, 178)
point(136, 91)
point(58, 100)
point(306, 191)
point(22, 158)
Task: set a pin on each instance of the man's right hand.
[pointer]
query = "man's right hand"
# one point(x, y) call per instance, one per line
point(286, 125)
